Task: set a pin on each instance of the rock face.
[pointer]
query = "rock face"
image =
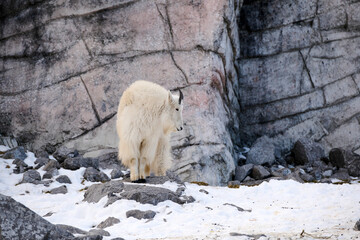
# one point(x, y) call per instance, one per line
point(65, 64)
point(247, 69)
point(19, 222)
point(299, 72)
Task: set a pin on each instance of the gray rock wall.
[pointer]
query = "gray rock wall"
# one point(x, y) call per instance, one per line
point(65, 64)
point(300, 71)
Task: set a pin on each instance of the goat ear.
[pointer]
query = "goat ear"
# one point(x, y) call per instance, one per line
point(171, 98)
point(181, 96)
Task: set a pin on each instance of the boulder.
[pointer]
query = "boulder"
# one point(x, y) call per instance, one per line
point(259, 172)
point(141, 214)
point(345, 159)
point(58, 190)
point(307, 152)
point(116, 173)
point(99, 232)
point(50, 173)
point(262, 152)
point(21, 166)
point(31, 176)
point(110, 221)
point(18, 222)
point(93, 175)
point(150, 195)
point(116, 190)
point(79, 161)
point(337, 157)
point(241, 172)
point(341, 174)
point(42, 161)
point(52, 164)
point(63, 153)
point(18, 153)
point(63, 179)
point(97, 191)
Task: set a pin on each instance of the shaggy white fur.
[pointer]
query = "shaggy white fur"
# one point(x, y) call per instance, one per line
point(147, 115)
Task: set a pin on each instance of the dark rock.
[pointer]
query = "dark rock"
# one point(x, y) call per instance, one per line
point(345, 159)
point(78, 162)
point(259, 172)
point(353, 164)
point(21, 166)
point(342, 174)
point(306, 151)
point(118, 238)
point(97, 191)
point(63, 179)
point(31, 176)
point(63, 153)
point(58, 190)
point(150, 195)
point(110, 221)
point(93, 175)
point(141, 214)
point(203, 191)
point(290, 159)
point(140, 193)
point(100, 232)
point(17, 222)
point(116, 173)
point(240, 209)
point(262, 152)
point(40, 153)
point(71, 229)
point(241, 172)
point(42, 161)
point(18, 152)
point(357, 225)
point(307, 177)
point(51, 173)
point(337, 157)
point(52, 164)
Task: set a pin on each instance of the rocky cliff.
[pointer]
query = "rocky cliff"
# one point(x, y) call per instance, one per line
point(299, 72)
point(65, 64)
point(285, 69)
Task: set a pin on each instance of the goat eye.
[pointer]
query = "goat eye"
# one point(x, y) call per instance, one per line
point(177, 109)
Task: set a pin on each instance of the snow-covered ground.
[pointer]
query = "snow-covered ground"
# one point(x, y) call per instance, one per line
point(279, 209)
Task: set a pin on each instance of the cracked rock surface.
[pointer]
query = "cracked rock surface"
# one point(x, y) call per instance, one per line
point(64, 66)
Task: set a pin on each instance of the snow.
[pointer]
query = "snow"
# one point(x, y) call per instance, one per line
point(279, 209)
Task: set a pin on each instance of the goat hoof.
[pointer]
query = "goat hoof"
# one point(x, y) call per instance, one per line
point(139, 181)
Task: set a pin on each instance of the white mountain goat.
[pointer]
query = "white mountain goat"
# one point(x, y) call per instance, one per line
point(147, 114)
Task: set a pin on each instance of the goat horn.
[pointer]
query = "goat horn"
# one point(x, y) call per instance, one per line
point(181, 96)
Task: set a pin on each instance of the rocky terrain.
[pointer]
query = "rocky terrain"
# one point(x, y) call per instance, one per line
point(104, 179)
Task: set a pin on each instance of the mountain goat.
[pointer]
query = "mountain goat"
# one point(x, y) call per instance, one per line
point(147, 114)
